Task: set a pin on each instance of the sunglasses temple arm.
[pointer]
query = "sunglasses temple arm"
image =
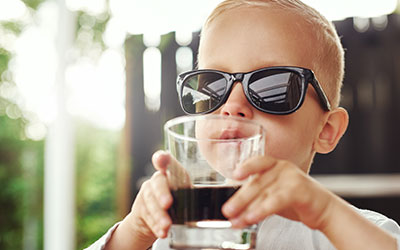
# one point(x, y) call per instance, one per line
point(178, 86)
point(321, 94)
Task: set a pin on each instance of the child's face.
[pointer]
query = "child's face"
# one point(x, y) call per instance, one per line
point(245, 39)
point(226, 142)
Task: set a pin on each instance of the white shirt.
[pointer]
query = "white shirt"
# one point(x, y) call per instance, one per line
point(279, 233)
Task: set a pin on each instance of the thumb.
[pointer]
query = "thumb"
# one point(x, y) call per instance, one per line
point(160, 160)
point(176, 173)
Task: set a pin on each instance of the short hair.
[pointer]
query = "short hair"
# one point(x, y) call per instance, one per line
point(328, 59)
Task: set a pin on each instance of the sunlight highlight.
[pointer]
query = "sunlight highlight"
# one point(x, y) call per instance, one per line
point(12, 10)
point(152, 78)
point(97, 89)
point(93, 7)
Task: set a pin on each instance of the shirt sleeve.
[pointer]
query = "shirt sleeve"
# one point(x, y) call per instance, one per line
point(383, 222)
point(393, 228)
point(101, 243)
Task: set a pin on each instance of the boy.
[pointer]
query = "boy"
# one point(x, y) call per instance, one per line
point(294, 211)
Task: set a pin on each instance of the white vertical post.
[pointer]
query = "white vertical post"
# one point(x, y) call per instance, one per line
point(59, 174)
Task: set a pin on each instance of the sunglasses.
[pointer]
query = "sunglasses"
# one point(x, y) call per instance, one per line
point(273, 90)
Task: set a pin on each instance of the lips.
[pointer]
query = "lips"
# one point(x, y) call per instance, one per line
point(229, 134)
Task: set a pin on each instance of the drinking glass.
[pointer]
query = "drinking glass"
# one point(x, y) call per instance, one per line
point(206, 150)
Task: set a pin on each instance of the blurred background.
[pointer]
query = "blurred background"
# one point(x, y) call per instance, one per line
point(86, 86)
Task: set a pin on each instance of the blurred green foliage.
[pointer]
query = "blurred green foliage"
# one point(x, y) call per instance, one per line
point(33, 3)
point(96, 151)
point(4, 58)
point(89, 32)
point(96, 157)
point(21, 178)
point(21, 170)
point(15, 27)
point(22, 164)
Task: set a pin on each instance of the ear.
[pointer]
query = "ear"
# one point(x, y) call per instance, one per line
point(334, 127)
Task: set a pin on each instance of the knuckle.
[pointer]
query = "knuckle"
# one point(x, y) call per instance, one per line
point(267, 205)
point(150, 220)
point(159, 215)
point(145, 186)
point(156, 175)
point(143, 189)
point(279, 197)
point(147, 217)
point(147, 193)
point(258, 183)
point(296, 182)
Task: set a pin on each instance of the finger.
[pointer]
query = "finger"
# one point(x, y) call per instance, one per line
point(145, 214)
point(153, 224)
point(254, 213)
point(253, 166)
point(163, 193)
point(161, 160)
point(249, 192)
point(177, 174)
point(156, 217)
point(274, 204)
point(148, 219)
point(240, 221)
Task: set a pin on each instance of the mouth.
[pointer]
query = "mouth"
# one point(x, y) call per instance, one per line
point(231, 134)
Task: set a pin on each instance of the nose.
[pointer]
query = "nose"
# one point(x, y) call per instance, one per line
point(237, 103)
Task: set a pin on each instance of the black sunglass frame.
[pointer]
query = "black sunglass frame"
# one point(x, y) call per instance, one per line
point(306, 75)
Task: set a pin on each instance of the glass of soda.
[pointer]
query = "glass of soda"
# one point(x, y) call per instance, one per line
point(207, 149)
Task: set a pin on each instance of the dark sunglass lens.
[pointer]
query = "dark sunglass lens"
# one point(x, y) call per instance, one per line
point(202, 92)
point(275, 90)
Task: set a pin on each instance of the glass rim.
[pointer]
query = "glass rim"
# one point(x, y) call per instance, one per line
point(186, 118)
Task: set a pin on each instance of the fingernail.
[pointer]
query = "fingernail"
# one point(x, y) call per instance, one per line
point(251, 217)
point(160, 233)
point(157, 154)
point(237, 173)
point(164, 222)
point(236, 222)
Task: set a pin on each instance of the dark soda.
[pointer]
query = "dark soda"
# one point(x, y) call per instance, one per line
point(199, 204)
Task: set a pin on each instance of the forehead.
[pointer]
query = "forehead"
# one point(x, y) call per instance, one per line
point(247, 38)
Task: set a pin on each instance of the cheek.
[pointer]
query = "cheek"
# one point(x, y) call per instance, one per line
point(292, 143)
point(281, 145)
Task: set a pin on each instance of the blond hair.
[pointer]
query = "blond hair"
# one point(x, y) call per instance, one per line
point(328, 59)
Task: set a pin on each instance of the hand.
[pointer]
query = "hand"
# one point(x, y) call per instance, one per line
point(280, 187)
point(277, 187)
point(149, 211)
point(148, 218)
